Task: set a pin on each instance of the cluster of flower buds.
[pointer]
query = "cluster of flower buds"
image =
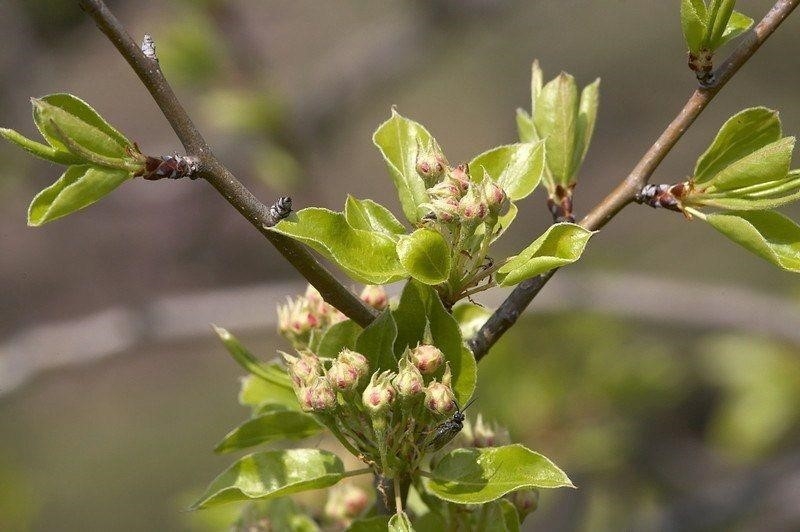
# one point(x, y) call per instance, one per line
point(375, 296)
point(482, 434)
point(346, 501)
point(302, 315)
point(314, 391)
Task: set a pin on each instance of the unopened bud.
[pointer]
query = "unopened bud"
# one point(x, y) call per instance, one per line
point(460, 176)
point(342, 376)
point(379, 393)
point(526, 501)
point(355, 360)
point(296, 318)
point(375, 296)
point(317, 396)
point(346, 502)
point(427, 358)
point(303, 370)
point(473, 206)
point(431, 163)
point(445, 209)
point(409, 380)
point(496, 197)
point(439, 398)
point(482, 434)
point(445, 190)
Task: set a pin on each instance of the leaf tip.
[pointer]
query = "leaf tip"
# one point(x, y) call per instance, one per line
point(221, 332)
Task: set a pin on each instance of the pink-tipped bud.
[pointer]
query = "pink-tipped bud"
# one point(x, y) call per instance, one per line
point(473, 206)
point(303, 370)
point(408, 381)
point(431, 163)
point(445, 190)
point(482, 434)
point(496, 197)
point(375, 296)
point(379, 394)
point(445, 209)
point(313, 296)
point(296, 318)
point(355, 360)
point(342, 376)
point(346, 501)
point(460, 176)
point(427, 358)
point(526, 501)
point(318, 396)
point(439, 398)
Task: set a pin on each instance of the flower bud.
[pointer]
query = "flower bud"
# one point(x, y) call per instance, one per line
point(445, 209)
point(295, 319)
point(375, 296)
point(526, 501)
point(427, 358)
point(303, 370)
point(409, 380)
point(445, 190)
point(346, 501)
point(355, 360)
point(439, 398)
point(318, 396)
point(460, 176)
point(496, 197)
point(473, 206)
point(482, 434)
point(342, 376)
point(379, 393)
point(431, 163)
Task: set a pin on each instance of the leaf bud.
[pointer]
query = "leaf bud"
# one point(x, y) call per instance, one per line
point(303, 370)
point(318, 396)
point(439, 398)
point(355, 360)
point(426, 358)
point(375, 296)
point(379, 393)
point(526, 501)
point(408, 381)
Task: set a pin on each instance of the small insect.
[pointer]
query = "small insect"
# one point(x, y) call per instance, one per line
point(149, 47)
point(280, 209)
point(447, 430)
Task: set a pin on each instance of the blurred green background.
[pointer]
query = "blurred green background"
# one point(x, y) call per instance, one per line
point(662, 372)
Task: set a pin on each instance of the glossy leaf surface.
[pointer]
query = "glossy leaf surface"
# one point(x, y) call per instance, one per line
point(371, 216)
point(517, 168)
point(272, 426)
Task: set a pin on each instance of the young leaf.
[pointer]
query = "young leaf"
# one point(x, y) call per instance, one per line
point(425, 256)
point(718, 19)
point(273, 474)
point(556, 118)
point(268, 372)
point(371, 216)
point(503, 221)
point(470, 318)
point(587, 116)
point(477, 476)
point(400, 523)
point(693, 21)
point(338, 336)
point(78, 121)
point(741, 135)
point(399, 140)
point(500, 516)
point(560, 245)
point(366, 256)
point(525, 127)
point(737, 25)
point(768, 234)
point(419, 307)
point(38, 149)
point(268, 427)
point(78, 187)
point(764, 195)
point(537, 80)
point(764, 165)
point(376, 342)
point(517, 168)
point(258, 393)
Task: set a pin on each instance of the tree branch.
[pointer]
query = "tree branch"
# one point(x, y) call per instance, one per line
point(508, 312)
point(215, 173)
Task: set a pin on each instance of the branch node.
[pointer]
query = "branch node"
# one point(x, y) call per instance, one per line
point(279, 210)
point(661, 196)
point(149, 47)
point(170, 167)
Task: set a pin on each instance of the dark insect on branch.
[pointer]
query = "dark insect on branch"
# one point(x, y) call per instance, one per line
point(447, 430)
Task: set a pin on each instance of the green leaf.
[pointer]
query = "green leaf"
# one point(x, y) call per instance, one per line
point(400, 523)
point(477, 476)
point(693, 21)
point(737, 25)
point(470, 318)
point(768, 234)
point(766, 164)
point(399, 139)
point(366, 256)
point(79, 122)
point(556, 120)
point(560, 245)
point(338, 336)
point(509, 514)
point(719, 16)
point(420, 306)
point(537, 80)
point(504, 221)
point(268, 427)
point(371, 216)
point(273, 474)
point(38, 149)
point(587, 116)
point(246, 359)
point(525, 127)
point(517, 168)
point(765, 195)
point(425, 255)
point(78, 187)
point(258, 394)
point(741, 135)
point(376, 343)
point(379, 523)
point(499, 516)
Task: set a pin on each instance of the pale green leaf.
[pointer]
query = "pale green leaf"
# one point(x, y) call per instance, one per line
point(504, 221)
point(425, 255)
point(517, 168)
point(525, 128)
point(741, 135)
point(366, 256)
point(763, 165)
point(764, 195)
point(269, 372)
point(371, 216)
point(477, 476)
point(560, 245)
point(556, 120)
point(718, 21)
point(770, 235)
point(38, 149)
point(537, 80)
point(587, 116)
point(738, 24)
point(693, 22)
point(470, 318)
point(499, 516)
point(400, 523)
point(399, 140)
point(273, 474)
point(271, 426)
point(259, 394)
point(78, 187)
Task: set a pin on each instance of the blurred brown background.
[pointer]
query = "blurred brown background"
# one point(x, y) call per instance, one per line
point(662, 372)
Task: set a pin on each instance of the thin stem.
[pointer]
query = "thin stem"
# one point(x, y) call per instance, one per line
point(356, 472)
point(398, 496)
point(218, 175)
point(508, 312)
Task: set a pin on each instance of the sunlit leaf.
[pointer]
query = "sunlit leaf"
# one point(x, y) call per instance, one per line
point(38, 149)
point(556, 120)
point(768, 234)
point(371, 216)
point(425, 255)
point(587, 116)
point(693, 21)
point(470, 318)
point(738, 24)
point(258, 394)
point(766, 164)
point(250, 363)
point(517, 168)
point(268, 427)
point(400, 523)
